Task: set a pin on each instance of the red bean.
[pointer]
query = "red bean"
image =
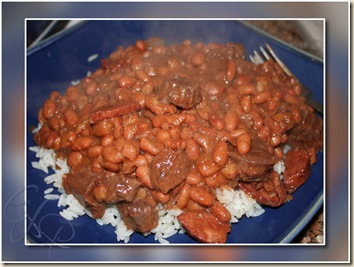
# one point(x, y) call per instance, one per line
point(81, 143)
point(220, 153)
point(230, 70)
point(201, 196)
point(49, 108)
point(198, 59)
point(244, 143)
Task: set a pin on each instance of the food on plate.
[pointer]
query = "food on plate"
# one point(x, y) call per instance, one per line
point(181, 129)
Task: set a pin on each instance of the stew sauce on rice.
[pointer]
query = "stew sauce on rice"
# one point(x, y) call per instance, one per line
point(171, 124)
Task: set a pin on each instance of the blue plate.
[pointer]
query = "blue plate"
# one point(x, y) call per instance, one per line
point(55, 63)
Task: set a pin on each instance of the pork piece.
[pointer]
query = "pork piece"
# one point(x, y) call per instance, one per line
point(139, 215)
point(204, 226)
point(110, 111)
point(307, 134)
point(115, 188)
point(180, 91)
point(297, 168)
point(80, 182)
point(271, 191)
point(254, 165)
point(169, 169)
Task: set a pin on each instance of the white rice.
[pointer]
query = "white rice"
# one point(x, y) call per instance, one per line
point(92, 57)
point(236, 201)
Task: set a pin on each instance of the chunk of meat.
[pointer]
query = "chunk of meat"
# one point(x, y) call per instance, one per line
point(169, 169)
point(254, 165)
point(297, 168)
point(110, 111)
point(80, 182)
point(180, 91)
point(270, 192)
point(204, 226)
point(139, 215)
point(307, 134)
point(116, 188)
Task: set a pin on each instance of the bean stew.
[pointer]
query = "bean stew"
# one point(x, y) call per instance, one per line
point(169, 124)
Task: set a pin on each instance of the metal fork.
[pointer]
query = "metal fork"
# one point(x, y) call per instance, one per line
point(305, 92)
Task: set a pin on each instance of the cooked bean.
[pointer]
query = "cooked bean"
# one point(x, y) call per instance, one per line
point(143, 173)
point(201, 196)
point(150, 147)
point(230, 70)
point(94, 151)
point(242, 79)
point(74, 158)
point(192, 149)
point(112, 155)
point(72, 92)
point(220, 153)
point(140, 45)
point(71, 117)
point(261, 97)
point(246, 103)
point(102, 128)
point(198, 59)
point(107, 140)
point(91, 88)
point(220, 212)
point(215, 180)
point(130, 151)
point(49, 108)
point(213, 88)
point(231, 121)
point(216, 122)
point(206, 166)
point(246, 89)
point(141, 160)
point(183, 197)
point(244, 143)
point(162, 135)
point(160, 197)
point(82, 143)
point(229, 171)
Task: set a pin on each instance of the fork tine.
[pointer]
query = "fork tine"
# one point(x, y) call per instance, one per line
point(257, 58)
point(281, 64)
point(265, 54)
